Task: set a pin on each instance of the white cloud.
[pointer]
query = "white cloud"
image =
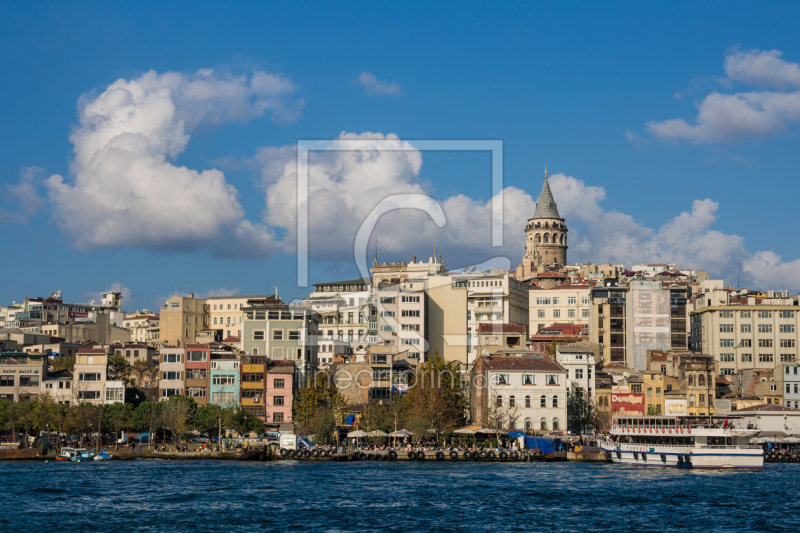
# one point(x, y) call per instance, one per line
point(126, 189)
point(761, 67)
point(742, 115)
point(23, 197)
point(373, 85)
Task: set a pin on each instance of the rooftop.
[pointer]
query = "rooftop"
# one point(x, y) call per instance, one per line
point(521, 363)
point(484, 327)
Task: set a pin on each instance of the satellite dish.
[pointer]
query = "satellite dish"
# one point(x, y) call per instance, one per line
point(744, 292)
point(485, 352)
point(626, 375)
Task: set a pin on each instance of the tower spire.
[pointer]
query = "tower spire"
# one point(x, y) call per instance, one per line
point(545, 171)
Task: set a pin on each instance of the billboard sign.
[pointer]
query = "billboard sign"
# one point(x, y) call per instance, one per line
point(627, 403)
point(676, 407)
point(78, 314)
point(620, 389)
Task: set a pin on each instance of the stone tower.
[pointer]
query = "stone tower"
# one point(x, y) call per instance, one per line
point(545, 237)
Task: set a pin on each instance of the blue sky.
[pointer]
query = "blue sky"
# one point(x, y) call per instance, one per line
point(670, 130)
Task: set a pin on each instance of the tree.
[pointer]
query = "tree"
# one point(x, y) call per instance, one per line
point(21, 419)
point(118, 417)
point(316, 403)
point(212, 417)
point(176, 413)
point(501, 416)
point(144, 376)
point(85, 419)
point(118, 368)
point(580, 409)
point(436, 396)
point(62, 362)
point(148, 417)
point(244, 422)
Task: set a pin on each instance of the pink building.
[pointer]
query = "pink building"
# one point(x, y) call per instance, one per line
point(279, 393)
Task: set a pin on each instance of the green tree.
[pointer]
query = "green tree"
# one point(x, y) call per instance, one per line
point(436, 396)
point(211, 418)
point(176, 414)
point(62, 362)
point(148, 418)
point(580, 409)
point(118, 417)
point(244, 422)
point(317, 405)
point(118, 368)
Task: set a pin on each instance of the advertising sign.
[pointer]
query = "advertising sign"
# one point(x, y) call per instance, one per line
point(627, 403)
point(620, 389)
point(676, 407)
point(78, 314)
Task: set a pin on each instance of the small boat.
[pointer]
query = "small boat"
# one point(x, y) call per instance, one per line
point(66, 454)
point(102, 455)
point(81, 454)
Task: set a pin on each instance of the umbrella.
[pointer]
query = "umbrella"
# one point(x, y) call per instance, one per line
point(400, 433)
point(356, 434)
point(465, 431)
point(376, 433)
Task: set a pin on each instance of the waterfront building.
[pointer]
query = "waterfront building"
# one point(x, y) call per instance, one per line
point(579, 362)
point(58, 385)
point(91, 376)
point(693, 373)
point(21, 375)
point(267, 389)
point(384, 371)
point(172, 365)
point(223, 378)
point(198, 357)
point(545, 237)
point(401, 314)
point(773, 420)
point(281, 332)
point(518, 390)
point(347, 314)
point(743, 331)
point(791, 385)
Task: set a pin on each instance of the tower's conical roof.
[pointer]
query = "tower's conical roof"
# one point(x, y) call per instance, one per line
point(546, 206)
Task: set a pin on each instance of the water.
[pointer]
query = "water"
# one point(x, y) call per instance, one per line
point(193, 496)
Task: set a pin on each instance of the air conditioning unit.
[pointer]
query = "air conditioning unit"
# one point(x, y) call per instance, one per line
point(256, 399)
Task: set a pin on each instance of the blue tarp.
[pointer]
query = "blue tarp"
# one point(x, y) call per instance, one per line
point(544, 445)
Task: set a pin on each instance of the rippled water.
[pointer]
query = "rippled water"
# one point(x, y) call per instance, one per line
point(400, 496)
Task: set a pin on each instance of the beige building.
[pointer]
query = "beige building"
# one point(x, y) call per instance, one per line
point(564, 304)
point(181, 318)
point(90, 375)
point(21, 375)
point(144, 327)
point(744, 332)
point(101, 330)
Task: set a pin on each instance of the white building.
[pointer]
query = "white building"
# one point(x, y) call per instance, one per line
point(578, 360)
point(172, 365)
point(791, 385)
point(529, 389)
point(564, 304)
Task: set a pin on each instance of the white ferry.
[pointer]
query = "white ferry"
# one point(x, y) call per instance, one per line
point(682, 442)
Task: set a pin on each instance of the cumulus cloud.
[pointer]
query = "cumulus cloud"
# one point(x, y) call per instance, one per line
point(741, 115)
point(373, 85)
point(23, 198)
point(126, 189)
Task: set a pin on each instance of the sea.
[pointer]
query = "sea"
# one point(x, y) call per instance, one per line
point(402, 496)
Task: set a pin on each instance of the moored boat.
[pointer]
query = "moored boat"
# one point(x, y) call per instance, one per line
point(682, 442)
point(102, 455)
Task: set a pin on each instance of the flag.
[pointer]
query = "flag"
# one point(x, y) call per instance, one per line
point(725, 424)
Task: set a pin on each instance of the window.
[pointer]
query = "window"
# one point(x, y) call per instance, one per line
point(786, 314)
point(252, 377)
point(273, 315)
point(115, 395)
point(746, 343)
point(543, 401)
point(578, 373)
point(94, 376)
point(166, 393)
point(726, 314)
point(500, 379)
point(224, 398)
point(171, 358)
point(726, 371)
point(747, 358)
point(773, 388)
point(277, 334)
point(584, 300)
point(786, 328)
point(765, 314)
point(744, 314)
point(787, 343)
point(658, 392)
point(556, 313)
point(512, 401)
point(765, 343)
point(788, 358)
point(386, 314)
point(410, 312)
point(277, 417)
point(726, 357)
point(196, 357)
point(765, 357)
point(224, 379)
point(551, 379)
point(528, 379)
point(555, 424)
point(196, 392)
point(387, 300)
point(171, 375)
point(541, 313)
point(746, 328)
point(543, 423)
point(380, 374)
point(386, 327)
point(498, 401)
point(584, 313)
point(572, 300)
point(570, 313)
point(410, 342)
point(542, 301)
point(89, 395)
point(278, 384)
point(637, 387)
point(294, 334)
point(726, 343)
point(765, 328)
point(410, 299)
point(410, 327)
point(6, 381)
point(555, 401)
point(528, 424)
point(277, 400)
point(649, 392)
point(527, 401)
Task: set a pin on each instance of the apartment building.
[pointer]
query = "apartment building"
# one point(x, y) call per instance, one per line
point(21, 375)
point(791, 385)
point(266, 389)
point(628, 320)
point(181, 319)
point(384, 371)
point(143, 326)
point(347, 312)
point(281, 332)
point(172, 365)
point(401, 317)
point(90, 374)
point(223, 379)
point(579, 363)
point(568, 303)
point(744, 332)
point(198, 358)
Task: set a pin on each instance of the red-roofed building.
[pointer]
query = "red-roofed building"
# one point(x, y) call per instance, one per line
point(559, 334)
point(564, 303)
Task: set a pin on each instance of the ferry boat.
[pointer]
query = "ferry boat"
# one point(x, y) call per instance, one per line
point(682, 442)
